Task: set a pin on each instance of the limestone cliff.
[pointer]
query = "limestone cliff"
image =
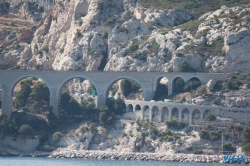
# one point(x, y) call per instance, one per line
point(122, 35)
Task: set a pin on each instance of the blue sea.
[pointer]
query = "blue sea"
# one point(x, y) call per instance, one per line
point(42, 161)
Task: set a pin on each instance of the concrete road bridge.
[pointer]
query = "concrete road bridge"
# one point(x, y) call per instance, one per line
point(102, 81)
point(189, 113)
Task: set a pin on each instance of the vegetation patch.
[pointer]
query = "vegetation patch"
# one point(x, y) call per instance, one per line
point(195, 8)
point(214, 49)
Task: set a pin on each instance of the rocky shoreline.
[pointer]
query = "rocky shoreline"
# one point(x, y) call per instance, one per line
point(91, 154)
point(88, 154)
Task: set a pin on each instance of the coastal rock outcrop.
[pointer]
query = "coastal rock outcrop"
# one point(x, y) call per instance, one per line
point(124, 36)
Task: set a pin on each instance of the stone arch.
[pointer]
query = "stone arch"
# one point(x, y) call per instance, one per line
point(137, 108)
point(111, 83)
point(130, 108)
point(175, 113)
point(178, 84)
point(24, 77)
point(146, 111)
point(196, 116)
point(34, 80)
point(192, 83)
point(78, 91)
point(155, 114)
point(75, 77)
point(206, 113)
point(161, 89)
point(164, 114)
point(185, 115)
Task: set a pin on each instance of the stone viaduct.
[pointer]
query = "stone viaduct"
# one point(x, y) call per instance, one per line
point(190, 113)
point(101, 80)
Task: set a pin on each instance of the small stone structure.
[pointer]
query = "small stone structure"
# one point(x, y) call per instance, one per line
point(190, 113)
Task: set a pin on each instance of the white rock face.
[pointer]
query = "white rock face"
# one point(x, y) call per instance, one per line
point(119, 35)
point(211, 84)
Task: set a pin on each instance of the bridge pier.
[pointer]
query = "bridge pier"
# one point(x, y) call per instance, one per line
point(170, 87)
point(179, 115)
point(54, 99)
point(190, 118)
point(7, 104)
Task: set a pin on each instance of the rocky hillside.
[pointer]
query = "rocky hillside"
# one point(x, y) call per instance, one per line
point(134, 36)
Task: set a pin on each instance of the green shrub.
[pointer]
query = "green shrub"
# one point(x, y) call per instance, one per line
point(215, 101)
point(198, 151)
point(84, 129)
point(122, 29)
point(105, 35)
point(211, 117)
point(227, 147)
point(201, 90)
point(110, 21)
point(25, 130)
point(57, 136)
point(123, 134)
point(175, 124)
point(4, 7)
point(100, 4)
point(154, 47)
point(201, 33)
point(80, 21)
point(45, 48)
point(134, 47)
point(185, 67)
point(204, 134)
point(78, 33)
point(245, 148)
point(215, 135)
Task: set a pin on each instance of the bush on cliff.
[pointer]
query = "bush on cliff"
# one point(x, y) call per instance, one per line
point(25, 130)
point(204, 134)
point(7, 127)
point(57, 136)
point(129, 86)
point(4, 8)
point(22, 96)
point(106, 116)
point(39, 97)
point(198, 151)
point(227, 147)
point(175, 124)
point(186, 67)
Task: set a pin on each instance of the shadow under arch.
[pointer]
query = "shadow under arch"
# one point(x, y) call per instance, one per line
point(178, 84)
point(206, 113)
point(73, 77)
point(175, 113)
point(39, 106)
point(130, 108)
point(13, 85)
point(88, 98)
point(145, 111)
point(137, 108)
point(155, 114)
point(196, 116)
point(111, 83)
point(161, 89)
point(164, 114)
point(185, 115)
point(192, 83)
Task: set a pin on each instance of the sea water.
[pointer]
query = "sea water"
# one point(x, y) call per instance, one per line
point(43, 161)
